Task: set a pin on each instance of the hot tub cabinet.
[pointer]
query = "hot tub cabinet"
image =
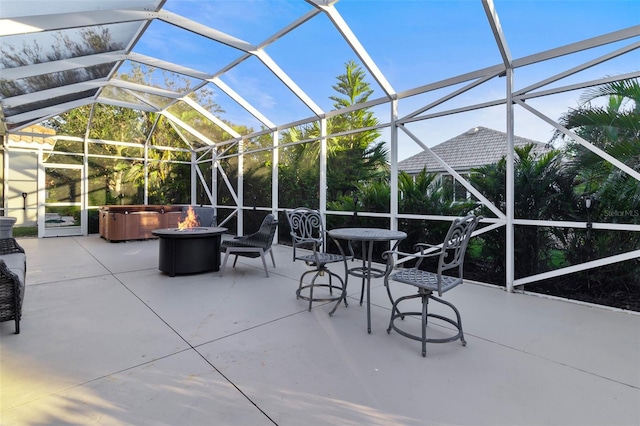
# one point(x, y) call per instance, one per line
point(136, 222)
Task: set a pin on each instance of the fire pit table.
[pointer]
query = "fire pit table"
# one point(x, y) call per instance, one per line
point(190, 250)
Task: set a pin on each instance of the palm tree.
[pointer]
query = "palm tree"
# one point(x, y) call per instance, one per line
point(614, 127)
point(425, 194)
point(545, 192)
point(169, 181)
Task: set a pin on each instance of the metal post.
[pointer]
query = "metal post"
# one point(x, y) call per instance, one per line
point(510, 187)
point(323, 171)
point(394, 166)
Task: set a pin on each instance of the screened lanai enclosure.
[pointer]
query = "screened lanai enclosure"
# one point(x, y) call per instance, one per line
point(256, 107)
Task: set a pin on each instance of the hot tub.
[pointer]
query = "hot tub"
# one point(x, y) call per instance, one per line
point(136, 222)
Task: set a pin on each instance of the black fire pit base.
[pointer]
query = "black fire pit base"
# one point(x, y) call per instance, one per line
point(189, 251)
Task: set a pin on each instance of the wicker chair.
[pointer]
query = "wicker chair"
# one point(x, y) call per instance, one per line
point(255, 245)
point(13, 267)
point(450, 259)
point(307, 232)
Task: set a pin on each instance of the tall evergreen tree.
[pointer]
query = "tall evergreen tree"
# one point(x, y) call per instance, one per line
point(352, 158)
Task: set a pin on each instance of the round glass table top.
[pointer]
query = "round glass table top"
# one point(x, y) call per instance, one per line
point(368, 234)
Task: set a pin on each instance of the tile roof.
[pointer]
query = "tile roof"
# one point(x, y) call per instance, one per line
point(475, 147)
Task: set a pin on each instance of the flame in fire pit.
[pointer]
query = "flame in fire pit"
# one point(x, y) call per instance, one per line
point(190, 221)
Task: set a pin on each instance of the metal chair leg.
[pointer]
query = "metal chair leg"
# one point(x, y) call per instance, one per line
point(424, 316)
point(311, 287)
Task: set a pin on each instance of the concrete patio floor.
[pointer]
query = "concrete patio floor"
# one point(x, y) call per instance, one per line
point(108, 339)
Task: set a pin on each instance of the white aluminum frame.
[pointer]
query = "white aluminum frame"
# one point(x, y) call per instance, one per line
point(506, 69)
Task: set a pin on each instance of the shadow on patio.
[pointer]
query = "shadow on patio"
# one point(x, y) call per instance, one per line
point(106, 338)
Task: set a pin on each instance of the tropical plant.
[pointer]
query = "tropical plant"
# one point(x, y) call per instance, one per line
point(615, 128)
point(352, 158)
point(425, 194)
point(420, 194)
point(609, 118)
point(544, 192)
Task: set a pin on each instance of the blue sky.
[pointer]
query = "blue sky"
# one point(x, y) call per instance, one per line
point(412, 42)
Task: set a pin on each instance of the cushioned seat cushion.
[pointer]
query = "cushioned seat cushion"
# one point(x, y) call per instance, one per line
point(16, 263)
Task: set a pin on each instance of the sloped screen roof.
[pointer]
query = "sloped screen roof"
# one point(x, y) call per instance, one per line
point(272, 62)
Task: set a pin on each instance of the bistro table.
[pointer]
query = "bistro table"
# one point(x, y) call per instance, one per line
point(367, 236)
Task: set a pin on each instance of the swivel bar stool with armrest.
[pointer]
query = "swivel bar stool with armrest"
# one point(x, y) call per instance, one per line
point(307, 232)
point(450, 258)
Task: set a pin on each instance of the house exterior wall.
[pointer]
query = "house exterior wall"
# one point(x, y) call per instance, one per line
point(21, 177)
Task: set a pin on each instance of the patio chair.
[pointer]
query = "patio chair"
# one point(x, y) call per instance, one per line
point(307, 232)
point(449, 274)
point(13, 268)
point(254, 245)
